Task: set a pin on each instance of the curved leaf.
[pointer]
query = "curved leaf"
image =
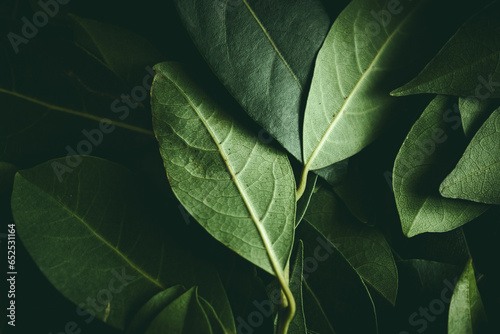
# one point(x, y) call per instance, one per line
point(304, 201)
point(367, 53)
point(476, 72)
point(93, 240)
point(467, 314)
point(474, 113)
point(263, 52)
point(109, 43)
point(240, 190)
point(298, 324)
point(185, 315)
point(426, 156)
point(152, 308)
point(364, 247)
point(477, 175)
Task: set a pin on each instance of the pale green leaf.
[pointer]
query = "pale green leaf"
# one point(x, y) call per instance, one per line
point(360, 62)
point(239, 189)
point(476, 177)
point(427, 155)
point(467, 314)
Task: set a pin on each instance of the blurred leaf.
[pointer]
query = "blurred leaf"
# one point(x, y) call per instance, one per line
point(91, 233)
point(467, 313)
point(125, 53)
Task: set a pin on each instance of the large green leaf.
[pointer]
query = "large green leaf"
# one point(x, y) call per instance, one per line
point(468, 65)
point(92, 238)
point(474, 113)
point(467, 314)
point(364, 247)
point(367, 53)
point(239, 189)
point(426, 157)
point(263, 52)
point(185, 315)
point(477, 175)
point(109, 43)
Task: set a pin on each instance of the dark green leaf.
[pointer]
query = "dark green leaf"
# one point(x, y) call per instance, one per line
point(467, 315)
point(263, 52)
point(364, 247)
point(303, 202)
point(477, 175)
point(152, 308)
point(474, 113)
point(125, 53)
point(339, 290)
point(92, 238)
point(185, 315)
point(427, 155)
point(468, 65)
point(298, 324)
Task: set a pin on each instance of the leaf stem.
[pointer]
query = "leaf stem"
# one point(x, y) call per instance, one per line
point(303, 182)
point(283, 329)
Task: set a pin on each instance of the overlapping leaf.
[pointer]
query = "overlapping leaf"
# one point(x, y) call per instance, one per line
point(477, 175)
point(476, 72)
point(239, 189)
point(426, 156)
point(368, 51)
point(364, 247)
point(467, 314)
point(263, 52)
point(92, 238)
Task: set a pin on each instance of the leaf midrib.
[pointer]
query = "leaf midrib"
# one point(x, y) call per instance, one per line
point(258, 223)
point(359, 84)
point(104, 241)
point(272, 43)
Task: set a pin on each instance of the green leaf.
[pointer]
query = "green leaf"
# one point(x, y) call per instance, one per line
point(335, 286)
point(477, 175)
point(359, 63)
point(215, 323)
point(298, 324)
point(185, 315)
point(240, 190)
point(474, 113)
point(125, 53)
point(476, 72)
point(152, 308)
point(467, 314)
point(303, 202)
point(7, 172)
point(364, 247)
point(93, 239)
point(263, 52)
point(425, 158)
